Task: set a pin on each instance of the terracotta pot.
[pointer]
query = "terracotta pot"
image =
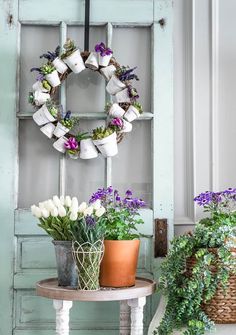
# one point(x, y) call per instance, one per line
point(118, 267)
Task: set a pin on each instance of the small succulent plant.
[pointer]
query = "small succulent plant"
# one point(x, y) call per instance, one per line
point(68, 121)
point(102, 132)
point(52, 108)
point(69, 48)
point(138, 106)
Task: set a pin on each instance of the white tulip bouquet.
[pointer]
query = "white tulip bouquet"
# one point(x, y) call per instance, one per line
point(57, 216)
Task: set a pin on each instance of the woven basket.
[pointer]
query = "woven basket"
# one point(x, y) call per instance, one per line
point(222, 307)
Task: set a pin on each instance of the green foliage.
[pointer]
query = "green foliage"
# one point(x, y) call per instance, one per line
point(82, 136)
point(70, 123)
point(47, 68)
point(121, 224)
point(57, 227)
point(138, 106)
point(69, 47)
point(101, 132)
point(87, 229)
point(46, 85)
point(31, 98)
point(186, 293)
point(107, 107)
point(52, 108)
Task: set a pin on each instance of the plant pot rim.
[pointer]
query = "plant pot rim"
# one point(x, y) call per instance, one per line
point(124, 241)
point(55, 242)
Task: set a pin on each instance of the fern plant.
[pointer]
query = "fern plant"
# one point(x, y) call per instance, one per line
point(211, 245)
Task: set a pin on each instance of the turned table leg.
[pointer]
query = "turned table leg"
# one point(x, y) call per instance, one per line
point(62, 308)
point(124, 318)
point(137, 315)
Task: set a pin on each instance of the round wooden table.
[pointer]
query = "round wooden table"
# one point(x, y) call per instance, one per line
point(132, 300)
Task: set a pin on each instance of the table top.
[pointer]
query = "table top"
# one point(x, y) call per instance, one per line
point(49, 288)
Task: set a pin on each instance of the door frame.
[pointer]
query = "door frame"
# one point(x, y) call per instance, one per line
point(162, 129)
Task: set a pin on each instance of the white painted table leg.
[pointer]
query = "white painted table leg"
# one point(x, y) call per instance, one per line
point(124, 318)
point(137, 315)
point(62, 308)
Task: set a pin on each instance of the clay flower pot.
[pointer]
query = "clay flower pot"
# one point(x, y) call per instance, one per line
point(108, 71)
point(40, 98)
point(59, 145)
point(60, 130)
point(43, 116)
point(114, 85)
point(48, 129)
point(38, 86)
point(131, 114)
point(119, 264)
point(116, 111)
point(123, 96)
point(92, 62)
point(53, 78)
point(87, 149)
point(104, 60)
point(75, 62)
point(127, 127)
point(60, 66)
point(108, 145)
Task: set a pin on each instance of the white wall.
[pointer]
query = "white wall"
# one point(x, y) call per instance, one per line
point(205, 102)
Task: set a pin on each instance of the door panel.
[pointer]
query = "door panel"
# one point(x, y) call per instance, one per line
point(38, 171)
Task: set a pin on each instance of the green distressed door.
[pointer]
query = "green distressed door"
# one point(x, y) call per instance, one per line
point(140, 33)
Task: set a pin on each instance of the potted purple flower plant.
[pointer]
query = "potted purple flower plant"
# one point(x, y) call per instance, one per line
point(118, 267)
point(120, 125)
point(53, 57)
point(104, 54)
point(72, 147)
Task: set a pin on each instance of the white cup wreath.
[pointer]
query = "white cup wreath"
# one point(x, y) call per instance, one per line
point(63, 127)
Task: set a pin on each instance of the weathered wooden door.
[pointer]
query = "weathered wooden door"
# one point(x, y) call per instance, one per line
point(140, 33)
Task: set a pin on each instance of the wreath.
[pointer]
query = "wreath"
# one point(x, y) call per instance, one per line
point(62, 126)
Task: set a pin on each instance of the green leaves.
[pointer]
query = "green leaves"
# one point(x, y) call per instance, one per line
point(188, 290)
point(57, 227)
point(120, 224)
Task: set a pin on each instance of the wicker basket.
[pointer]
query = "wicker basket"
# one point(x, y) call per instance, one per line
point(222, 307)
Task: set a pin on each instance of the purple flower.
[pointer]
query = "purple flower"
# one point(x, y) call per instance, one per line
point(101, 48)
point(90, 221)
point(71, 144)
point(128, 193)
point(116, 122)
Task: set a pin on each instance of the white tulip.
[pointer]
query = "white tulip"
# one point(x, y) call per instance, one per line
point(45, 213)
point(38, 212)
point(56, 201)
point(33, 209)
point(62, 200)
point(67, 201)
point(82, 207)
point(61, 211)
point(100, 211)
point(54, 212)
point(73, 216)
point(74, 202)
point(88, 211)
point(97, 204)
point(41, 205)
point(49, 205)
